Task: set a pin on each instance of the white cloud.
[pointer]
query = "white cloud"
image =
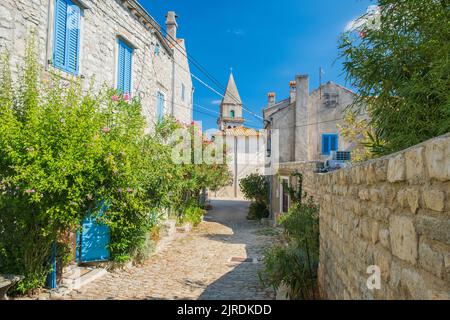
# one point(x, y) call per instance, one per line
point(371, 17)
point(236, 32)
point(216, 102)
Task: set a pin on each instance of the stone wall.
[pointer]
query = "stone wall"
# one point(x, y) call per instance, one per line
point(392, 212)
point(102, 23)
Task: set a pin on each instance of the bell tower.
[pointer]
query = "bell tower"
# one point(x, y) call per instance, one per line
point(231, 115)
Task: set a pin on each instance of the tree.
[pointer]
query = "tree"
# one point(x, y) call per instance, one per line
point(401, 69)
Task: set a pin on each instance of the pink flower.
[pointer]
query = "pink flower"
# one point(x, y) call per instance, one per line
point(129, 190)
point(362, 34)
point(106, 130)
point(30, 191)
point(126, 97)
point(115, 98)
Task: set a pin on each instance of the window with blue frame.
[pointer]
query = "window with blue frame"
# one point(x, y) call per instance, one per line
point(232, 114)
point(66, 44)
point(330, 142)
point(160, 99)
point(125, 67)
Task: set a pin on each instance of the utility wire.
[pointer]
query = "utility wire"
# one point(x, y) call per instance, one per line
point(190, 58)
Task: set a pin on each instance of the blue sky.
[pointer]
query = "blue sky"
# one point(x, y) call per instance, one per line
point(265, 42)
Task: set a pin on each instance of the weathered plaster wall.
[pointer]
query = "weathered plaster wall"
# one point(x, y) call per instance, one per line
point(392, 212)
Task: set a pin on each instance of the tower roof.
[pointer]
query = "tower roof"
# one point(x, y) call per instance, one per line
point(232, 94)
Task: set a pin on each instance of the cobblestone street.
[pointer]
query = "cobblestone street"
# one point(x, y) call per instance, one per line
point(197, 265)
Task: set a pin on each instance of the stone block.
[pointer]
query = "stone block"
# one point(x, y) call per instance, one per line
point(430, 259)
point(415, 170)
point(413, 196)
point(437, 156)
point(364, 194)
point(375, 195)
point(388, 194)
point(434, 228)
point(383, 259)
point(403, 238)
point(381, 169)
point(402, 198)
point(384, 236)
point(414, 285)
point(396, 169)
point(371, 175)
point(434, 200)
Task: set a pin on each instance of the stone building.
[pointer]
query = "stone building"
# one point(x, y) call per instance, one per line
point(245, 146)
point(115, 42)
point(304, 128)
point(307, 122)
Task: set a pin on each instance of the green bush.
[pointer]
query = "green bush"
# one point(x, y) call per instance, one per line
point(401, 72)
point(258, 211)
point(255, 187)
point(193, 215)
point(295, 263)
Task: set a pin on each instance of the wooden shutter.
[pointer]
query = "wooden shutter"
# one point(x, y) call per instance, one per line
point(334, 142)
point(120, 68)
point(160, 106)
point(73, 38)
point(325, 144)
point(125, 64)
point(59, 47)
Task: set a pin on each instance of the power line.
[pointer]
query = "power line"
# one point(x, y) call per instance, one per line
point(204, 71)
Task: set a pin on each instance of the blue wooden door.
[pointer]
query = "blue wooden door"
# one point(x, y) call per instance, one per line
point(94, 238)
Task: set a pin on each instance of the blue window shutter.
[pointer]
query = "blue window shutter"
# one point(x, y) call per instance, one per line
point(325, 145)
point(128, 69)
point(59, 46)
point(330, 142)
point(73, 38)
point(334, 143)
point(160, 106)
point(125, 65)
point(120, 68)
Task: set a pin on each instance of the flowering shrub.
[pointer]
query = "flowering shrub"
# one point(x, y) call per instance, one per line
point(62, 150)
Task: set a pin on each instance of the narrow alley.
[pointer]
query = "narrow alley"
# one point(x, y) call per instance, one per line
point(197, 265)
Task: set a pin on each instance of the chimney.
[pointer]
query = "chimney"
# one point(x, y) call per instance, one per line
point(271, 98)
point(292, 91)
point(302, 119)
point(171, 25)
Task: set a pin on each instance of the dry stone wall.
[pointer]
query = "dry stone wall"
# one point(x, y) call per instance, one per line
point(393, 213)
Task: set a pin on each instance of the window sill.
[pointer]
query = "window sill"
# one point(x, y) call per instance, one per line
point(64, 75)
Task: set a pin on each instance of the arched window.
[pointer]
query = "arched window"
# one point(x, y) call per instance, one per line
point(232, 114)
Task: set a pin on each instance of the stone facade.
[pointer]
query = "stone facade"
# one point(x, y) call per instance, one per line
point(392, 212)
point(245, 147)
point(245, 156)
point(159, 62)
point(298, 122)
